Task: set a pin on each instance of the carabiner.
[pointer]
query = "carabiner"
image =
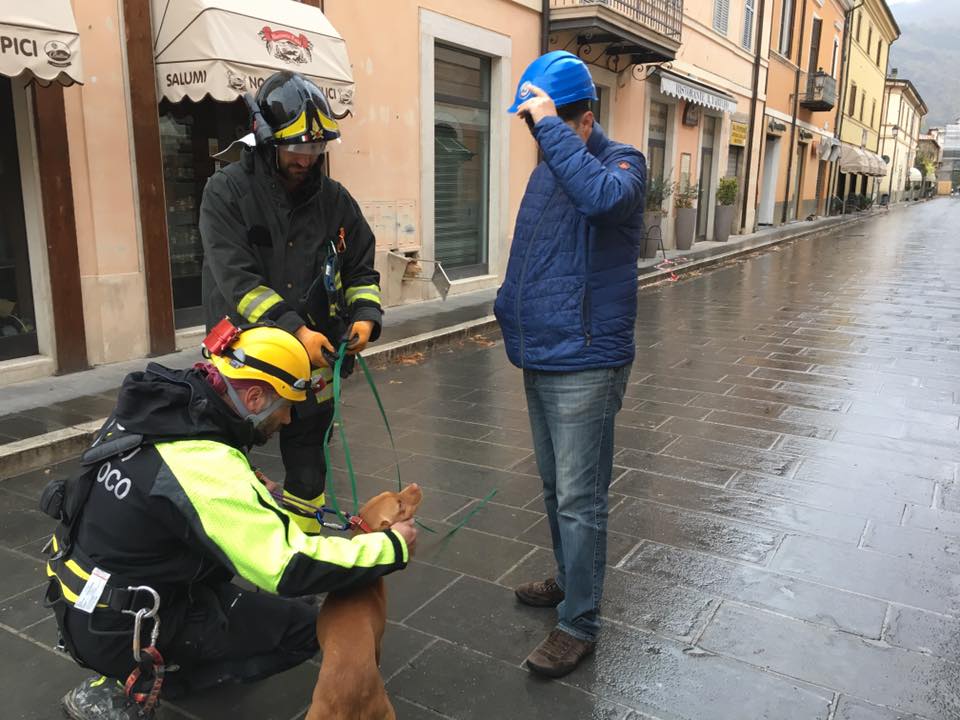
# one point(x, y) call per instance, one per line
point(140, 615)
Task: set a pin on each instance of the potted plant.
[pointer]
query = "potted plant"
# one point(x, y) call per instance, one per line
point(658, 190)
point(684, 197)
point(726, 197)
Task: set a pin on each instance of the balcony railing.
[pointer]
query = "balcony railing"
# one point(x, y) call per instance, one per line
point(821, 92)
point(664, 17)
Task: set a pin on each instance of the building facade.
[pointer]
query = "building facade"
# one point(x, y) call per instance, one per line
point(931, 151)
point(428, 150)
point(870, 30)
point(900, 140)
point(948, 176)
point(103, 169)
point(799, 149)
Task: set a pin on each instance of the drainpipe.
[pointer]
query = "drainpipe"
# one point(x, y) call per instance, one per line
point(753, 116)
point(793, 128)
point(893, 161)
point(844, 53)
point(544, 26)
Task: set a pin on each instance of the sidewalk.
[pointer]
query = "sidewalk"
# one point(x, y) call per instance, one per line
point(46, 420)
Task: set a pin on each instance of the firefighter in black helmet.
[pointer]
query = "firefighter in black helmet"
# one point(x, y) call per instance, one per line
point(283, 243)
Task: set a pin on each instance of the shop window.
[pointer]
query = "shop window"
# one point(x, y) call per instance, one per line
point(657, 140)
point(461, 160)
point(18, 331)
point(189, 134)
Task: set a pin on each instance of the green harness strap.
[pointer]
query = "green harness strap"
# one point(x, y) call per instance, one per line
point(338, 421)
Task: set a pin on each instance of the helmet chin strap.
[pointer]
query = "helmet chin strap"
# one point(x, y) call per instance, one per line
point(253, 418)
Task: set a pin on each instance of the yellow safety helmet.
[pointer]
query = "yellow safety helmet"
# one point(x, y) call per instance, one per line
point(268, 354)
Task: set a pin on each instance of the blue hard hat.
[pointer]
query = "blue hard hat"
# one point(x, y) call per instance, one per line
point(562, 75)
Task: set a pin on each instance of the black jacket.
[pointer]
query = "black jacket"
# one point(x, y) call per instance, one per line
point(185, 508)
point(265, 251)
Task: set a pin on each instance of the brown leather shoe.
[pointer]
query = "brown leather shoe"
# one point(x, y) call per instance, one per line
point(559, 654)
point(543, 593)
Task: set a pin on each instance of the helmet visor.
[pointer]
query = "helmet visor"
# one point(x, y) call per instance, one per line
point(311, 149)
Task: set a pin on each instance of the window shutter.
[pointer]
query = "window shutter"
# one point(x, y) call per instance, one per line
point(721, 16)
point(747, 40)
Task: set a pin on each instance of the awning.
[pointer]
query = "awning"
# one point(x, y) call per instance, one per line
point(854, 161)
point(915, 175)
point(878, 166)
point(696, 92)
point(224, 48)
point(39, 40)
point(828, 149)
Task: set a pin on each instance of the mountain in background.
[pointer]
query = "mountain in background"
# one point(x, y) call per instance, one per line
point(928, 54)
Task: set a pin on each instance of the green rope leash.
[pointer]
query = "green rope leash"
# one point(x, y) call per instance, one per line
point(338, 421)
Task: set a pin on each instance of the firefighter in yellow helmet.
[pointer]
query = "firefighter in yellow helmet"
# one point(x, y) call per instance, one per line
point(166, 499)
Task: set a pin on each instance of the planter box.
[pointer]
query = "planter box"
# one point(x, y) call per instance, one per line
point(722, 222)
point(683, 228)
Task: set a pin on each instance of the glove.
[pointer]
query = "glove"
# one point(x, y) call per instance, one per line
point(346, 369)
point(358, 335)
point(318, 347)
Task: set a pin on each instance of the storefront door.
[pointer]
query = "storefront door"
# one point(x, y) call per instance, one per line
point(18, 331)
point(706, 176)
point(189, 134)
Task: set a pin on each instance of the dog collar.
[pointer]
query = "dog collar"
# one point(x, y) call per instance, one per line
point(359, 524)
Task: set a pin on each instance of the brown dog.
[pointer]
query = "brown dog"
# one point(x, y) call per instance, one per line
point(349, 628)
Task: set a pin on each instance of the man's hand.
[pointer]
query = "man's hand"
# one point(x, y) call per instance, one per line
point(358, 336)
point(408, 531)
point(316, 343)
point(539, 106)
point(272, 487)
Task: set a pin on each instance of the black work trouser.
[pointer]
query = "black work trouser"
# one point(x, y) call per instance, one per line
point(224, 634)
point(301, 447)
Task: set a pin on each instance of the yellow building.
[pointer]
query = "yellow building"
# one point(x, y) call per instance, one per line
point(871, 29)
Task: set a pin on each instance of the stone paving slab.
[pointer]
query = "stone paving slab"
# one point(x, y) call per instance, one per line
point(785, 509)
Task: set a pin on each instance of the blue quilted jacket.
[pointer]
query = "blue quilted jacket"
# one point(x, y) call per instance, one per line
point(569, 299)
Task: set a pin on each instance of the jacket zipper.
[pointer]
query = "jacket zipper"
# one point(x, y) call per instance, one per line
point(585, 310)
point(523, 274)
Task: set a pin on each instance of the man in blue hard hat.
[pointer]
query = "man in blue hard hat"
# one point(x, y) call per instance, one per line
point(567, 309)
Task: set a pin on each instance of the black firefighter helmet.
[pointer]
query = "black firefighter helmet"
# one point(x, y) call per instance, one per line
point(294, 111)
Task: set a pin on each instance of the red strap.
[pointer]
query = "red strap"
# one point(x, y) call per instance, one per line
point(149, 700)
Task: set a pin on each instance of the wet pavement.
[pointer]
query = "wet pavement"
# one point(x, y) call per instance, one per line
point(785, 516)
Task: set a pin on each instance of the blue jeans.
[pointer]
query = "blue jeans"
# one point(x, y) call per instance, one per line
point(572, 419)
